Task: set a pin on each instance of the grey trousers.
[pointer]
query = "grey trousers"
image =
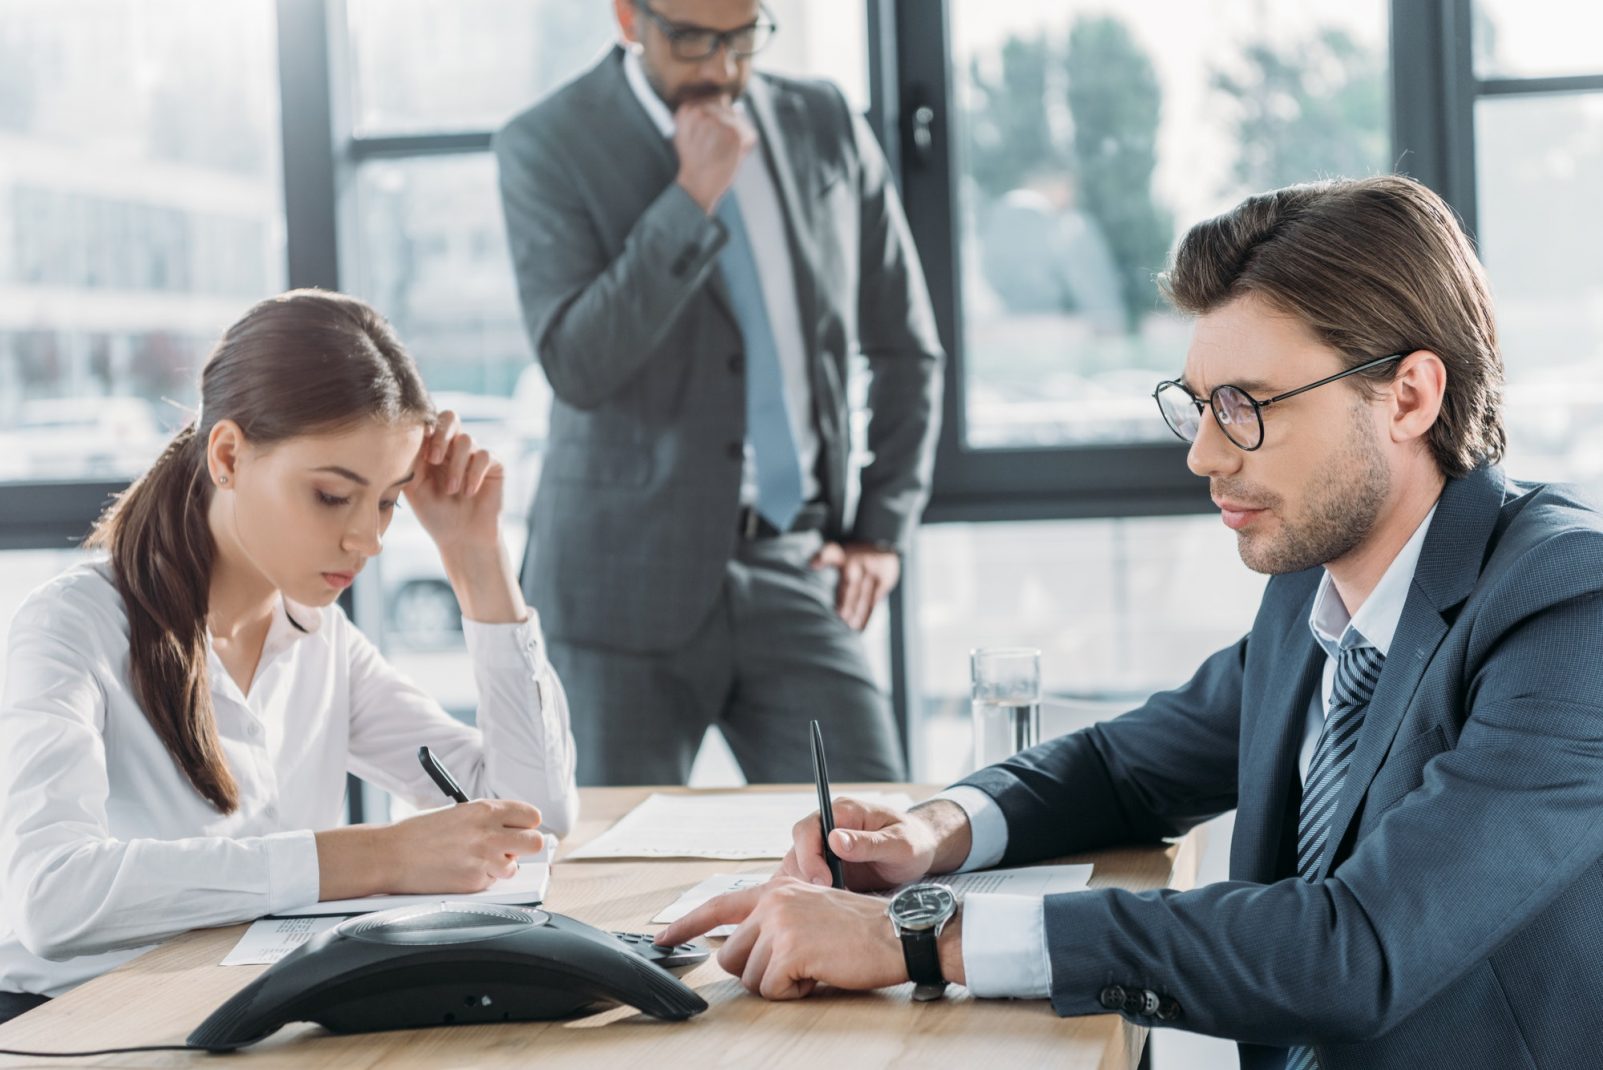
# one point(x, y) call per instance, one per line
point(771, 656)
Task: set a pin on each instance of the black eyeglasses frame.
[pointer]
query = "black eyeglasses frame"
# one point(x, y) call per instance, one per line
point(1257, 406)
point(721, 39)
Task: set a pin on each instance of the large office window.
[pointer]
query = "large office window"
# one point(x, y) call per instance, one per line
point(1538, 121)
point(1088, 136)
point(1067, 149)
point(140, 213)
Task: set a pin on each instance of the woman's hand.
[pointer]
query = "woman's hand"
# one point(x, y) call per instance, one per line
point(457, 493)
point(457, 850)
point(463, 848)
point(457, 496)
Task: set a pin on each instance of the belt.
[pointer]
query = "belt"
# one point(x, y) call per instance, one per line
point(811, 517)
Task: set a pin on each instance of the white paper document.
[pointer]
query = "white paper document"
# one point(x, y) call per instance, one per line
point(528, 886)
point(1026, 880)
point(739, 826)
point(270, 939)
point(716, 885)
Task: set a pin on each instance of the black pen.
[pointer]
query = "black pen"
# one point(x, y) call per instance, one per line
point(437, 773)
point(826, 809)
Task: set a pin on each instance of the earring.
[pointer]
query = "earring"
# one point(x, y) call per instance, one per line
point(222, 481)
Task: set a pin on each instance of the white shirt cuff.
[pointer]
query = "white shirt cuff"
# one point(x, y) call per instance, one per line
point(517, 646)
point(293, 877)
point(987, 827)
point(1004, 946)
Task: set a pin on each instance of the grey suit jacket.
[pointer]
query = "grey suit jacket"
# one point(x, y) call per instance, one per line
point(1459, 919)
point(636, 514)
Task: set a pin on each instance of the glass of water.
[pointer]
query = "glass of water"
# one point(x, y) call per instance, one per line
point(1007, 702)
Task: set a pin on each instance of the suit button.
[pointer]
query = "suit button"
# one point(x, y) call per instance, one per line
point(737, 363)
point(736, 451)
point(1112, 997)
point(1133, 1001)
point(1168, 1009)
point(1149, 1002)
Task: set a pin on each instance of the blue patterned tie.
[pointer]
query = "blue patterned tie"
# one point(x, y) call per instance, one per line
point(1357, 672)
point(779, 477)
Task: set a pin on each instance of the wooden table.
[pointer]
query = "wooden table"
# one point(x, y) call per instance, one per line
point(161, 996)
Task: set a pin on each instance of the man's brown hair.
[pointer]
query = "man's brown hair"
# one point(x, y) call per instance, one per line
point(1372, 266)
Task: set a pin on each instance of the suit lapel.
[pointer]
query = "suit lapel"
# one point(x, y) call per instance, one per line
point(1273, 756)
point(1449, 566)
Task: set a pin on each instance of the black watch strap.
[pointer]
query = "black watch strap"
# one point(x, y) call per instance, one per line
point(923, 963)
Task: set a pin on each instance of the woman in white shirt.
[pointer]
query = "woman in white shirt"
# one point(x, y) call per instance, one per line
point(177, 720)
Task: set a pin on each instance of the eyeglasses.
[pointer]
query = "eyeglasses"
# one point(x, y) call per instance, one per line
point(693, 44)
point(1238, 414)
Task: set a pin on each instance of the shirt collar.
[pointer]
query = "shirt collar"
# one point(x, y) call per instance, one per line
point(656, 109)
point(291, 623)
point(1375, 623)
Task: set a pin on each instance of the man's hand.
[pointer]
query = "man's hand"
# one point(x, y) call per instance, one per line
point(711, 138)
point(867, 575)
point(880, 847)
point(793, 937)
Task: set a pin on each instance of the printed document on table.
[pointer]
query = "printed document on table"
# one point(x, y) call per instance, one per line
point(1035, 881)
point(738, 826)
point(715, 885)
point(270, 939)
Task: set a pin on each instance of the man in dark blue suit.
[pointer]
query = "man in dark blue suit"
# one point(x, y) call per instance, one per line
point(1411, 734)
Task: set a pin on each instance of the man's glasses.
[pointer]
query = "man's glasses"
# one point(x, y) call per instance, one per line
point(1238, 414)
point(692, 44)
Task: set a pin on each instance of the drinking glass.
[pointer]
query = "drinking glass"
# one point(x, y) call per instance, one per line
point(1006, 702)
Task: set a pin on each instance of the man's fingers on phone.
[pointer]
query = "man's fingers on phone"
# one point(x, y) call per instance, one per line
point(730, 909)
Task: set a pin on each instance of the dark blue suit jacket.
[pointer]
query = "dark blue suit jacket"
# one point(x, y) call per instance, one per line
point(1459, 919)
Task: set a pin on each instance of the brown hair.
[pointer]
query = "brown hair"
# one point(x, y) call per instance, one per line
point(301, 363)
point(1373, 266)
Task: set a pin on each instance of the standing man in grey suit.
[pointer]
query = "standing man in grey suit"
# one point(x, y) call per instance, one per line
point(703, 255)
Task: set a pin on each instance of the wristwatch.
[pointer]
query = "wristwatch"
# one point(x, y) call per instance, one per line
point(918, 914)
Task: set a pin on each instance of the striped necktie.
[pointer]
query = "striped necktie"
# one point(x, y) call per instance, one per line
point(1357, 672)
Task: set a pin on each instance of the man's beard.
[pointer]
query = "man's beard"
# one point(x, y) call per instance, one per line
point(703, 91)
point(695, 91)
point(1344, 500)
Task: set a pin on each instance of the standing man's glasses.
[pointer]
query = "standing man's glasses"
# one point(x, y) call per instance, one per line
point(1238, 414)
point(692, 44)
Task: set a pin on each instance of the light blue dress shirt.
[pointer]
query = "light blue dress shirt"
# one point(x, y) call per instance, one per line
point(1004, 936)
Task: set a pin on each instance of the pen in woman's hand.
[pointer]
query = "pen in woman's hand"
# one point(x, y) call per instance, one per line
point(436, 771)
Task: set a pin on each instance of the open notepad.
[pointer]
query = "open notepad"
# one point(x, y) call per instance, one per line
point(528, 885)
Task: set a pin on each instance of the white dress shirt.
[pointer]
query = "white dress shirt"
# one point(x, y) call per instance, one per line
point(106, 849)
point(764, 217)
point(1004, 936)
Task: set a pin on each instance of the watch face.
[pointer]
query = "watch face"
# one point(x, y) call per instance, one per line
point(923, 906)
